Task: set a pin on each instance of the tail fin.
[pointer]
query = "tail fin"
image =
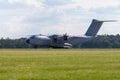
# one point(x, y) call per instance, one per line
point(95, 26)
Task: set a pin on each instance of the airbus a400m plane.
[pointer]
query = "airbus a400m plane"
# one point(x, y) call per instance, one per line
point(65, 41)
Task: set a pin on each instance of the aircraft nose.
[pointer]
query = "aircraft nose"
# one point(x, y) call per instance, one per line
point(28, 41)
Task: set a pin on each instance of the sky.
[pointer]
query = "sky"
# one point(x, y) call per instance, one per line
point(20, 18)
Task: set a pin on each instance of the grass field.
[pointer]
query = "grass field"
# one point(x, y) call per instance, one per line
point(60, 64)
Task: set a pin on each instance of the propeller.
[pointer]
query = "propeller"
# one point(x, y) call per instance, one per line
point(66, 37)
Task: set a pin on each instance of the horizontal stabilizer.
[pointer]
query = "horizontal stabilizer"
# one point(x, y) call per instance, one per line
point(105, 20)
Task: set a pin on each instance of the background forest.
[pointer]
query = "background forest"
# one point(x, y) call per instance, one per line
point(101, 41)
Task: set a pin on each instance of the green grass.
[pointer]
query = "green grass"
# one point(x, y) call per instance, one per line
point(60, 64)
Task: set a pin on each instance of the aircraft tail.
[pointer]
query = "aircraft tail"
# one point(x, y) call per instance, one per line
point(95, 26)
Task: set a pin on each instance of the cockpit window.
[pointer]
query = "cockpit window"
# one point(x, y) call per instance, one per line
point(32, 37)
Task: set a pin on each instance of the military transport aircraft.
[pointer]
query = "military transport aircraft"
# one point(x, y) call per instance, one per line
point(65, 41)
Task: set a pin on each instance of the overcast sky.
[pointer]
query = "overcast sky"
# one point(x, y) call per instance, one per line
point(19, 18)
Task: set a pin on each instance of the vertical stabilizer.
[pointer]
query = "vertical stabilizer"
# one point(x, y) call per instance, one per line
point(95, 26)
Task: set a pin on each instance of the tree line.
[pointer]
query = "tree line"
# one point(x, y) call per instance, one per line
point(14, 43)
point(101, 41)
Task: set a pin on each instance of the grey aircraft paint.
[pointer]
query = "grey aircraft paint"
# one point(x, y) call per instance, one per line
point(65, 41)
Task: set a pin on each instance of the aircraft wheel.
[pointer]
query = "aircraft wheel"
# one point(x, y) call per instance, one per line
point(35, 46)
